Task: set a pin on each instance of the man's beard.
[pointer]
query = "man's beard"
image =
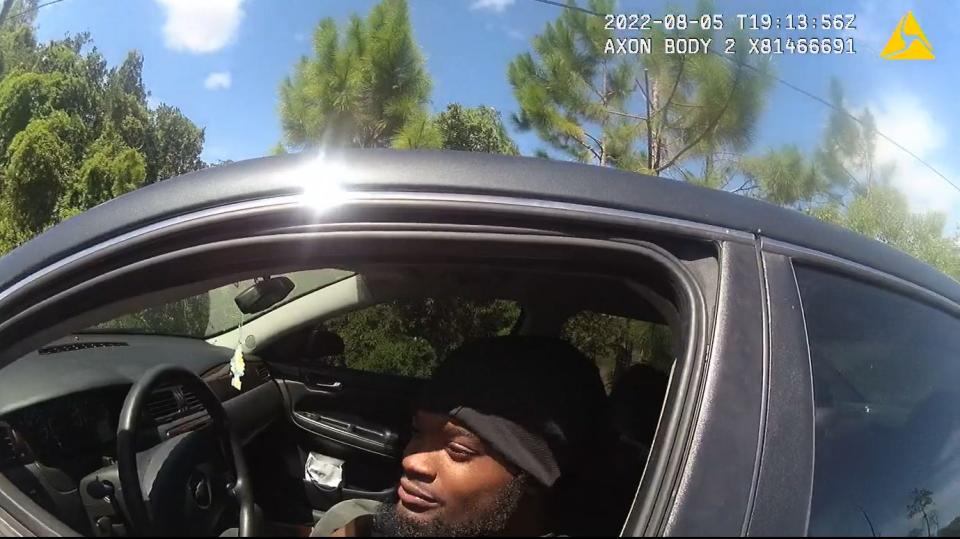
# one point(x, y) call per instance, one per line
point(484, 520)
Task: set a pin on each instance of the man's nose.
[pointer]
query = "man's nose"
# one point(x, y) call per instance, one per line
point(419, 462)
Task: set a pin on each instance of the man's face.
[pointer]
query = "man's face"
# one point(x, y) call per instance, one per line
point(452, 483)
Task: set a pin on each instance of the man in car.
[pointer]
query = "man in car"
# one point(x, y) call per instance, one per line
point(501, 435)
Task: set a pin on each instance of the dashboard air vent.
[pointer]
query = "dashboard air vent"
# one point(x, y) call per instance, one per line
point(191, 403)
point(163, 405)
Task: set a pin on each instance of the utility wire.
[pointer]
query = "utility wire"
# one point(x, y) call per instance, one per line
point(28, 10)
point(795, 88)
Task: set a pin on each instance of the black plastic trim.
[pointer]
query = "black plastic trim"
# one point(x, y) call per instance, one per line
point(715, 486)
point(785, 481)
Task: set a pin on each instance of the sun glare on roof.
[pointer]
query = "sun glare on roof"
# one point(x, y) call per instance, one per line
point(322, 179)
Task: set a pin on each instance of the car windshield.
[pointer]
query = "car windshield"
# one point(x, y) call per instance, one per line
point(214, 311)
point(840, 110)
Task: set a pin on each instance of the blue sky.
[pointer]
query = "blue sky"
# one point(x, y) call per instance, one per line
point(221, 62)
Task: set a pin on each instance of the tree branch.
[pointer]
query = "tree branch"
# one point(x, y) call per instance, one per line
point(603, 123)
point(641, 87)
point(676, 83)
point(587, 146)
point(689, 105)
point(595, 91)
point(711, 127)
point(593, 138)
point(625, 115)
point(744, 187)
point(646, 79)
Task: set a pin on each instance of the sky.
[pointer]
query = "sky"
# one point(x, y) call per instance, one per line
point(221, 62)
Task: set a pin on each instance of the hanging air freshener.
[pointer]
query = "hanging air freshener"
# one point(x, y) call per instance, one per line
point(237, 366)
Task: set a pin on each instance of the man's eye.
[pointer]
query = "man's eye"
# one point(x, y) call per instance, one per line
point(458, 452)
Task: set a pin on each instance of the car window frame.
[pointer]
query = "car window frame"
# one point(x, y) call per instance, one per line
point(654, 503)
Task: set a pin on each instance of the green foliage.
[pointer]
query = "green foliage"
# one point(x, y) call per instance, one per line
point(111, 169)
point(566, 84)
point(412, 337)
point(847, 154)
point(577, 97)
point(616, 343)
point(38, 165)
point(419, 133)
point(188, 317)
point(17, 37)
point(784, 176)
point(881, 212)
point(843, 183)
point(362, 85)
point(74, 134)
point(476, 129)
point(26, 96)
point(174, 144)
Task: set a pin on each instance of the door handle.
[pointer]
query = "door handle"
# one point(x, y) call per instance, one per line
point(321, 382)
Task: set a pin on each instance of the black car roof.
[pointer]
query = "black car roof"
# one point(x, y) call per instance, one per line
point(465, 173)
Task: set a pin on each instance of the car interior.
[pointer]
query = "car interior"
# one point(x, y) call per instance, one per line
point(333, 362)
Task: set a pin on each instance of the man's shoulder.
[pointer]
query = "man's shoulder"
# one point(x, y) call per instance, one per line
point(343, 514)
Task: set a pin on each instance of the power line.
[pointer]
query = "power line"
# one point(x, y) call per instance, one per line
point(35, 8)
point(797, 89)
point(568, 6)
point(847, 113)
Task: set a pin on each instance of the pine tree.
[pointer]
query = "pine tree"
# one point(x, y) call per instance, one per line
point(363, 86)
point(656, 113)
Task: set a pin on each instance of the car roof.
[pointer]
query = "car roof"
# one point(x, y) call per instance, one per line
point(463, 173)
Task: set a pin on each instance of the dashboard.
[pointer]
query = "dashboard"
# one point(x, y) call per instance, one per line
point(60, 407)
point(66, 427)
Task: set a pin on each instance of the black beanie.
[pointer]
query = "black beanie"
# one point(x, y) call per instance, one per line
point(536, 400)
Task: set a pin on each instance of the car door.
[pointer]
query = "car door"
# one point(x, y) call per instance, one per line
point(339, 413)
point(351, 384)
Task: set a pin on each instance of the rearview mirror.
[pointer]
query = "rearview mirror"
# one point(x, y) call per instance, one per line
point(264, 294)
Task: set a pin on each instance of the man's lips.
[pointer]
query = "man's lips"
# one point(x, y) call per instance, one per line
point(415, 498)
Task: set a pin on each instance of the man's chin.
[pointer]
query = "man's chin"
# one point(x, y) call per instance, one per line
point(399, 520)
point(416, 513)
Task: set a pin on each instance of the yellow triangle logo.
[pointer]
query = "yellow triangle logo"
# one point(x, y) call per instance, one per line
point(907, 42)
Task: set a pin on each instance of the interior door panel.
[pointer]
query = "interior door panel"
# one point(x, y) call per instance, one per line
point(359, 417)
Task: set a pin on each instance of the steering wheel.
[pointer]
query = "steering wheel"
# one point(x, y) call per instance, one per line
point(189, 478)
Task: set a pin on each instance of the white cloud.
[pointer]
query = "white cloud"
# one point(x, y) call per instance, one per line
point(905, 119)
point(513, 33)
point(220, 80)
point(493, 5)
point(201, 26)
point(505, 29)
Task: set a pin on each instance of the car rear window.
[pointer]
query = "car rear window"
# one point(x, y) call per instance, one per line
point(617, 343)
point(412, 337)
